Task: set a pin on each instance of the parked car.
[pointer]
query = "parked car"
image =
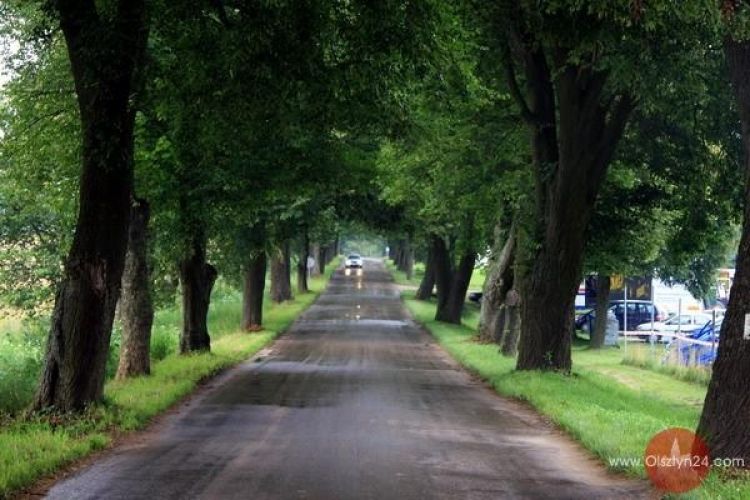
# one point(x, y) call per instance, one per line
point(682, 323)
point(475, 297)
point(353, 261)
point(688, 353)
point(639, 312)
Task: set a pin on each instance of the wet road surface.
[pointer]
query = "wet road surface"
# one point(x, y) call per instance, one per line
point(354, 402)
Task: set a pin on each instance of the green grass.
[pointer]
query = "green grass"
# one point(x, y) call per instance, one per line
point(650, 358)
point(476, 283)
point(31, 448)
point(611, 408)
point(400, 276)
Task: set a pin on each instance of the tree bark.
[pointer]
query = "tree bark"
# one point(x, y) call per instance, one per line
point(443, 271)
point(302, 266)
point(408, 259)
point(321, 258)
point(451, 283)
point(392, 250)
point(603, 285)
point(723, 423)
point(424, 292)
point(136, 304)
point(281, 282)
point(453, 307)
point(252, 292)
point(315, 252)
point(509, 344)
point(573, 138)
point(197, 278)
point(105, 59)
point(497, 284)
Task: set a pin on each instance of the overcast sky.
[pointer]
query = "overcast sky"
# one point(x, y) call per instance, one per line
point(7, 47)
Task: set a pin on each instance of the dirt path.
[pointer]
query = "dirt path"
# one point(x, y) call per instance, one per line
point(355, 402)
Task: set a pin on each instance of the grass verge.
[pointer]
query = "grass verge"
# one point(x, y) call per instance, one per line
point(612, 409)
point(33, 448)
point(650, 358)
point(477, 277)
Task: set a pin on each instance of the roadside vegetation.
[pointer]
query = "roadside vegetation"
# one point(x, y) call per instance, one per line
point(34, 446)
point(651, 358)
point(611, 408)
point(151, 148)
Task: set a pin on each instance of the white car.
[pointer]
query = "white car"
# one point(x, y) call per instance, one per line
point(683, 322)
point(353, 261)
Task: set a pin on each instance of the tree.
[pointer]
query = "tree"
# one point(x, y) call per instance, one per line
point(136, 304)
point(723, 420)
point(498, 283)
point(578, 91)
point(448, 172)
point(105, 52)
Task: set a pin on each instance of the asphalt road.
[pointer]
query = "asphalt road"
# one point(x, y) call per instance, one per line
point(355, 402)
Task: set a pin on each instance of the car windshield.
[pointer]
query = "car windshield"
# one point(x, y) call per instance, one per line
point(354, 256)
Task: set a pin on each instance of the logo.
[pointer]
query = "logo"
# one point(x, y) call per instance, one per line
point(676, 460)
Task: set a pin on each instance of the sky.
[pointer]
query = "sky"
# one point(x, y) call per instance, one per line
point(7, 48)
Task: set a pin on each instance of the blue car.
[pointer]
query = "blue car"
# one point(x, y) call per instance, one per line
point(697, 354)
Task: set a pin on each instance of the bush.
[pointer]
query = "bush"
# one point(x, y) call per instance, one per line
point(20, 362)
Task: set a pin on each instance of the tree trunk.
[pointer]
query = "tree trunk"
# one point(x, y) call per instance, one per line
point(252, 292)
point(443, 271)
point(197, 278)
point(723, 423)
point(281, 280)
point(424, 292)
point(315, 252)
point(136, 305)
point(574, 133)
point(105, 58)
point(509, 345)
point(321, 258)
point(497, 325)
point(302, 266)
point(453, 307)
point(602, 306)
point(497, 284)
point(401, 255)
point(408, 259)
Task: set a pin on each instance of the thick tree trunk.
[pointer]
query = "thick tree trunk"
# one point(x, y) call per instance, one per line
point(496, 285)
point(603, 284)
point(724, 421)
point(252, 292)
point(570, 162)
point(197, 278)
point(136, 305)
point(302, 266)
point(443, 271)
point(424, 292)
point(281, 280)
point(453, 307)
point(104, 60)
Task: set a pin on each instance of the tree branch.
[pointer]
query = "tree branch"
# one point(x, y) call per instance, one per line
point(610, 137)
point(515, 90)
